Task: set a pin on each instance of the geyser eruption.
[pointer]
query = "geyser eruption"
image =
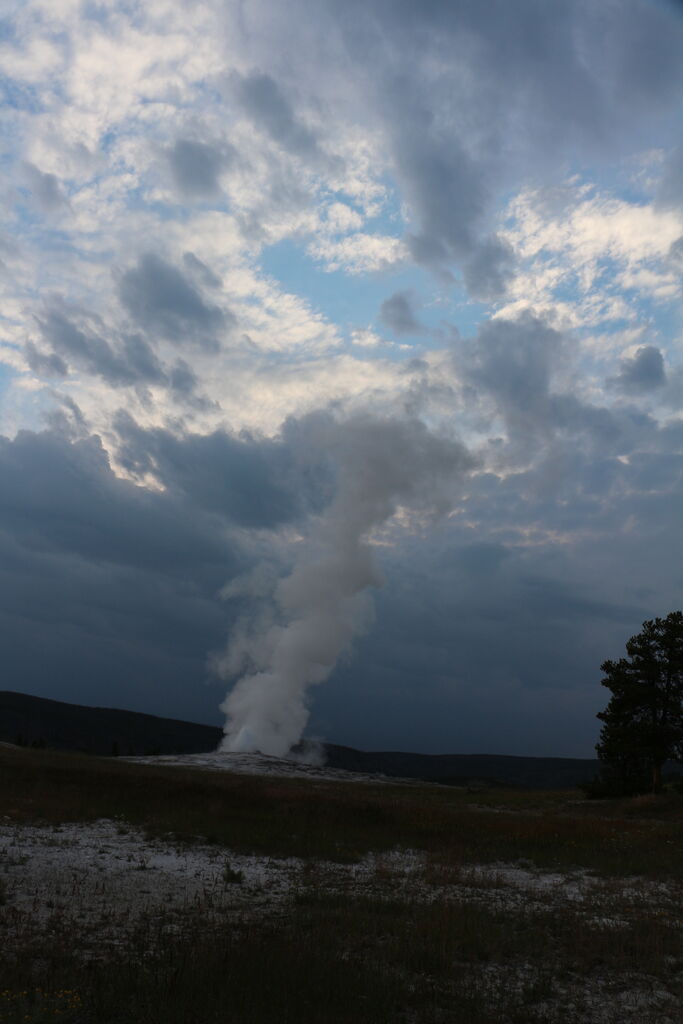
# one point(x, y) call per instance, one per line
point(309, 618)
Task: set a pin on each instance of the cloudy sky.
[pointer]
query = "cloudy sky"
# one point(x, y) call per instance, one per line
point(354, 322)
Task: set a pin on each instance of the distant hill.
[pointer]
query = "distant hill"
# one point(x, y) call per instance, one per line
point(462, 769)
point(36, 721)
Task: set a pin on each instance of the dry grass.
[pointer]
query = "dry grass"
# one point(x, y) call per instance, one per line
point(335, 959)
point(434, 936)
point(342, 822)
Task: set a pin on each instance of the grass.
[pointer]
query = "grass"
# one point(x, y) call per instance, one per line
point(343, 822)
point(439, 948)
point(336, 960)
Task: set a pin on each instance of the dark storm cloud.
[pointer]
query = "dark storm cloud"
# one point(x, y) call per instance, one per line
point(643, 372)
point(46, 188)
point(397, 314)
point(140, 359)
point(487, 270)
point(265, 103)
point(446, 192)
point(132, 361)
point(127, 360)
point(63, 496)
point(513, 361)
point(502, 650)
point(182, 378)
point(162, 300)
point(542, 574)
point(671, 185)
point(444, 188)
point(196, 167)
point(117, 582)
point(248, 481)
point(66, 420)
point(568, 72)
point(120, 582)
point(45, 364)
point(521, 371)
point(495, 652)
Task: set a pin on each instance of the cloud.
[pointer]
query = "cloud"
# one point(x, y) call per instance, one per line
point(514, 362)
point(588, 257)
point(46, 188)
point(126, 360)
point(470, 100)
point(182, 378)
point(196, 167)
point(562, 559)
point(132, 362)
point(380, 464)
point(45, 364)
point(492, 94)
point(161, 299)
point(576, 547)
point(521, 375)
point(365, 338)
point(676, 255)
point(265, 103)
point(118, 581)
point(488, 270)
point(248, 481)
point(87, 518)
point(642, 372)
point(397, 314)
point(200, 269)
point(360, 253)
point(670, 192)
point(363, 137)
point(443, 187)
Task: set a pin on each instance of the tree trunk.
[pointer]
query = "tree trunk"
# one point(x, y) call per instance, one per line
point(657, 777)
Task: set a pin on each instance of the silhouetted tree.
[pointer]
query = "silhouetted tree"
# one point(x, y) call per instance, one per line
point(643, 722)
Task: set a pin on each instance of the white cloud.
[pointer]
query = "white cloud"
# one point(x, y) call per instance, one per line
point(360, 253)
point(582, 251)
point(339, 218)
point(589, 223)
point(366, 338)
point(659, 284)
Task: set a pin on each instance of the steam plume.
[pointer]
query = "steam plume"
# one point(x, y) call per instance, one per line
point(307, 619)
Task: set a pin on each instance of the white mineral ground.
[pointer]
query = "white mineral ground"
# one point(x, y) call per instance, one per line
point(264, 764)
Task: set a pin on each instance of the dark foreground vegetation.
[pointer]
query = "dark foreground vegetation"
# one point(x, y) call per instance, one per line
point(334, 960)
point(642, 729)
point(378, 956)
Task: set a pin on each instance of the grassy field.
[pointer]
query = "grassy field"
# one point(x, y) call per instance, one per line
point(401, 903)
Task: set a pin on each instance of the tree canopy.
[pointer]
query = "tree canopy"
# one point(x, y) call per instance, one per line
point(643, 721)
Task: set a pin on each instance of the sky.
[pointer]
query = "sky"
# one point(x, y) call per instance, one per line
point(340, 361)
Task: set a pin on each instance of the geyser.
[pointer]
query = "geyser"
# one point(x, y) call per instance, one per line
point(310, 617)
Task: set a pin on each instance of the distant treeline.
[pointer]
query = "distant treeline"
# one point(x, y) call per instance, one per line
point(37, 722)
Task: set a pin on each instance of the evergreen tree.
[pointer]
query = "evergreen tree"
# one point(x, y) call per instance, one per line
point(643, 722)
